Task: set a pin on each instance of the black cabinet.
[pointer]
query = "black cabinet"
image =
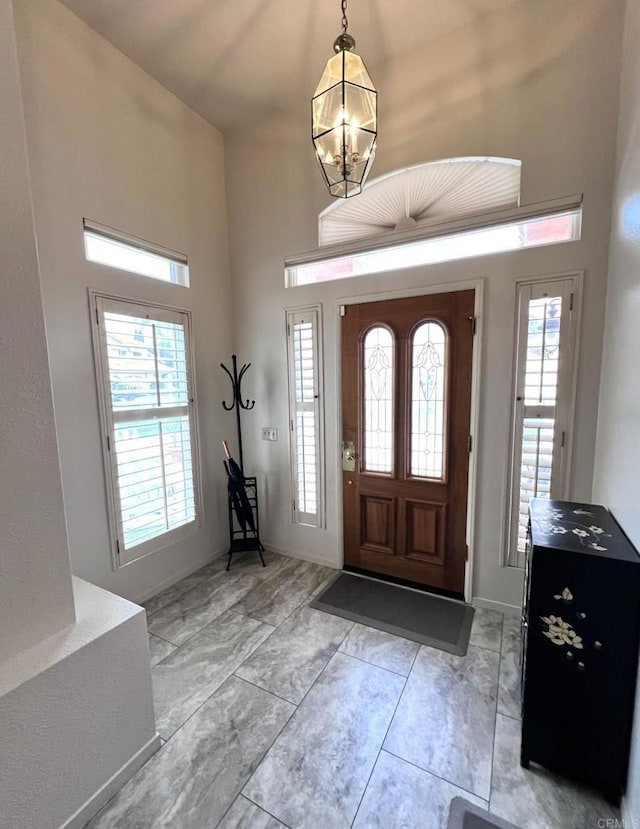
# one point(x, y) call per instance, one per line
point(580, 638)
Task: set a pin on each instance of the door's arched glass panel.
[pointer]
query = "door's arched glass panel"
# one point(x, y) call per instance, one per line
point(428, 375)
point(378, 400)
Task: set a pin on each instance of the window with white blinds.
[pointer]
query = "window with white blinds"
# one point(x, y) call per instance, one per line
point(145, 387)
point(543, 400)
point(305, 412)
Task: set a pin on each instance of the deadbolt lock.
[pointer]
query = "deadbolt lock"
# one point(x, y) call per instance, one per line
point(349, 456)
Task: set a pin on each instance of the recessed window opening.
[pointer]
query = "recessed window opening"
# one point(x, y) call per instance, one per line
point(304, 352)
point(542, 401)
point(106, 246)
point(519, 234)
point(144, 372)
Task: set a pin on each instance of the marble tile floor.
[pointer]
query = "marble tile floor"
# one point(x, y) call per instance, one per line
point(276, 715)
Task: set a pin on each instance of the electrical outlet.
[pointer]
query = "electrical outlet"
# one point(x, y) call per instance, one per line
point(269, 433)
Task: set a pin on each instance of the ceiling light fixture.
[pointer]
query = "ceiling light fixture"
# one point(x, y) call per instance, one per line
point(344, 118)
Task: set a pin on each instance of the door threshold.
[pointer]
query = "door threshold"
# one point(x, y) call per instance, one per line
point(410, 585)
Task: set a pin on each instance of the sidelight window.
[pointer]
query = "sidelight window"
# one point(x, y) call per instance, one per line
point(543, 400)
point(305, 411)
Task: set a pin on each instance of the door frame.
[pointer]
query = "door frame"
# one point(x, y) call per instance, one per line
point(477, 285)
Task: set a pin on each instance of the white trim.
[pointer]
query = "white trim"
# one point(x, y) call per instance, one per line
point(510, 610)
point(133, 241)
point(491, 219)
point(93, 805)
point(96, 300)
point(281, 551)
point(567, 404)
point(150, 592)
point(314, 312)
point(476, 285)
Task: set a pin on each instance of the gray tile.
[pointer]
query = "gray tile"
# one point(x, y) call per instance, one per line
point(291, 659)
point(161, 600)
point(402, 796)
point(380, 648)
point(509, 687)
point(316, 771)
point(536, 799)
point(180, 620)
point(197, 775)
point(250, 563)
point(276, 597)
point(159, 649)
point(486, 631)
point(183, 681)
point(445, 719)
point(213, 568)
point(244, 814)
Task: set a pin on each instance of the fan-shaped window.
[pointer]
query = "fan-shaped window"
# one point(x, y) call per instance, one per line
point(428, 400)
point(378, 399)
point(423, 195)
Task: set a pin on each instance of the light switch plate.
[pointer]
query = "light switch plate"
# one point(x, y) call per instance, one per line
point(269, 433)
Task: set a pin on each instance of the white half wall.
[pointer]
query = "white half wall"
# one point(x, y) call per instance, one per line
point(617, 473)
point(34, 559)
point(534, 81)
point(109, 143)
point(76, 715)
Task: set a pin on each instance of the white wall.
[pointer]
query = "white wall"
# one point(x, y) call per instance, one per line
point(109, 143)
point(617, 475)
point(76, 715)
point(34, 559)
point(537, 81)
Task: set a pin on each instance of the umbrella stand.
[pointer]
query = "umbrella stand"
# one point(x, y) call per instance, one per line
point(244, 525)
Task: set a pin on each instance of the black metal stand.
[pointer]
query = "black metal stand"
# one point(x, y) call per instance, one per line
point(236, 403)
point(245, 538)
point(244, 525)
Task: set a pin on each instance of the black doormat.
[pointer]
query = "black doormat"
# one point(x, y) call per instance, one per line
point(466, 815)
point(421, 617)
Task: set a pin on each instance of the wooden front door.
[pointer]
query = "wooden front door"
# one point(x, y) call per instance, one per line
point(406, 403)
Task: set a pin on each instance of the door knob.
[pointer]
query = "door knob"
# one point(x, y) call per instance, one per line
point(349, 456)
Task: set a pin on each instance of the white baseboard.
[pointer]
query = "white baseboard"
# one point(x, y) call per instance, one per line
point(304, 556)
point(113, 785)
point(501, 607)
point(169, 582)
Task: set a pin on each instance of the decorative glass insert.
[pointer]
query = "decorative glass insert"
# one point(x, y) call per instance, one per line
point(543, 351)
point(428, 375)
point(378, 349)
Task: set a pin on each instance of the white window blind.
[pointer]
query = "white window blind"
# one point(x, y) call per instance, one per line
point(145, 377)
point(306, 427)
point(543, 400)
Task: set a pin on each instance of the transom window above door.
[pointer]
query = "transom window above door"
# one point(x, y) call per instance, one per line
point(441, 211)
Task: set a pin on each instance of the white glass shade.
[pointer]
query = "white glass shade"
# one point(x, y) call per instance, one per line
point(344, 124)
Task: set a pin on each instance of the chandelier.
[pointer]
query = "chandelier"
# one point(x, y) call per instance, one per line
point(343, 118)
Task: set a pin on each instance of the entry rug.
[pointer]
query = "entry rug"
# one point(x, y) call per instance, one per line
point(465, 815)
point(421, 617)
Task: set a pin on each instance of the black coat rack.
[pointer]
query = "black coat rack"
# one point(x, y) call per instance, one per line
point(237, 402)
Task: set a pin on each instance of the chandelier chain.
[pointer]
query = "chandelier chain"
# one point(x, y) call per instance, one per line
point(345, 22)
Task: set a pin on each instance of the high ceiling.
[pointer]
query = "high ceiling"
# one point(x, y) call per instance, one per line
point(233, 60)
